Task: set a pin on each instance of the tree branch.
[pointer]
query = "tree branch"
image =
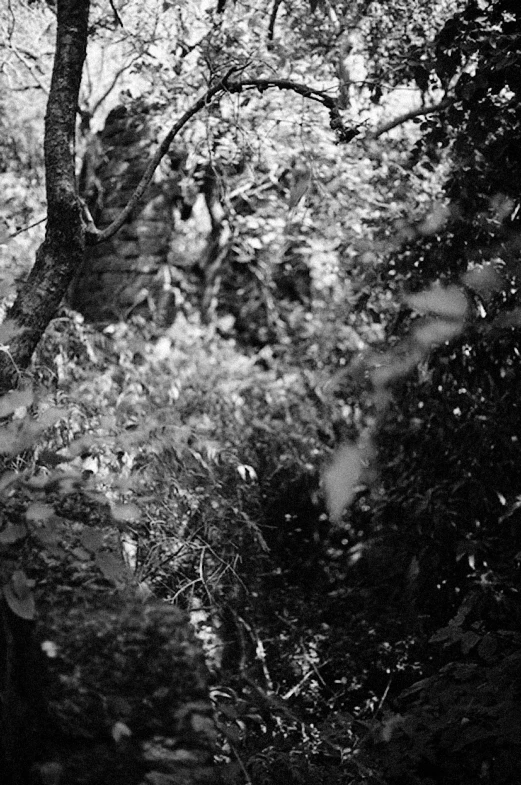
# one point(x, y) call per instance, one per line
point(97, 236)
point(273, 19)
point(222, 87)
point(403, 118)
point(283, 84)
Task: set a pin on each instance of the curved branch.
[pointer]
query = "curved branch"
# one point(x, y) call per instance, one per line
point(95, 235)
point(403, 118)
point(284, 84)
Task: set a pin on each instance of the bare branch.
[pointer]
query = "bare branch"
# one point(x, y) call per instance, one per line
point(403, 118)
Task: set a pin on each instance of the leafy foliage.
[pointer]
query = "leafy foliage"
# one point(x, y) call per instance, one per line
point(367, 298)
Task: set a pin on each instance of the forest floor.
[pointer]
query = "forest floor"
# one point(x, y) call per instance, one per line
point(210, 459)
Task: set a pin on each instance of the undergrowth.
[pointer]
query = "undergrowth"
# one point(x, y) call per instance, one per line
point(174, 464)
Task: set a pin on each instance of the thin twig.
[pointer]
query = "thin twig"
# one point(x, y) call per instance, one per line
point(26, 228)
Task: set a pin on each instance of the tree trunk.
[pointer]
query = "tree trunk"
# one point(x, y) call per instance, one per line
point(62, 251)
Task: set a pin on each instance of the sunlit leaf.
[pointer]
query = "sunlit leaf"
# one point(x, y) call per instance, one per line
point(447, 301)
point(341, 479)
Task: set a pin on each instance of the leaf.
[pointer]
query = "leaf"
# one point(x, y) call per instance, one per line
point(111, 567)
point(341, 479)
point(12, 533)
point(19, 596)
point(18, 399)
point(446, 301)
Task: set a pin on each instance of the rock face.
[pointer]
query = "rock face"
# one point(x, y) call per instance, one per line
point(128, 273)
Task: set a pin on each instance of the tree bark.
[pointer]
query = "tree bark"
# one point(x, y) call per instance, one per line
point(63, 248)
